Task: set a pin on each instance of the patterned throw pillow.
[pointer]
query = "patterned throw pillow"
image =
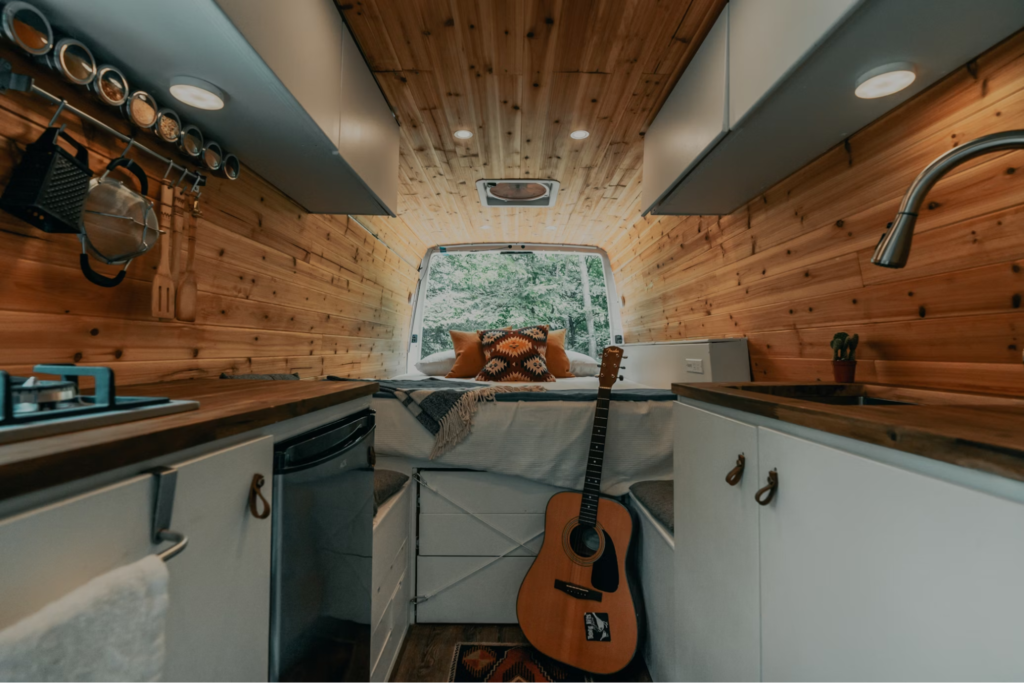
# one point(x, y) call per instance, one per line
point(515, 355)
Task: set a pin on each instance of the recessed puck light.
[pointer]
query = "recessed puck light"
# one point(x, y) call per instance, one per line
point(579, 134)
point(485, 227)
point(463, 134)
point(552, 227)
point(885, 80)
point(197, 93)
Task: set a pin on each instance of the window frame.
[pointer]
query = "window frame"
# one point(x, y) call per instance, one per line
point(420, 298)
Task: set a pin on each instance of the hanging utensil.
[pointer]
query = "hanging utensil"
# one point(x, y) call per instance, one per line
point(117, 224)
point(187, 294)
point(162, 304)
point(49, 185)
point(177, 231)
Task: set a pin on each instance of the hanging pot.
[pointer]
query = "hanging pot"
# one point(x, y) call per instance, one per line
point(48, 188)
point(118, 224)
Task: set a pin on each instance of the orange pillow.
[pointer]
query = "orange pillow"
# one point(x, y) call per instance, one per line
point(469, 354)
point(558, 361)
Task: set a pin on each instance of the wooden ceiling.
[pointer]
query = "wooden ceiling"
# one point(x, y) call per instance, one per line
point(523, 74)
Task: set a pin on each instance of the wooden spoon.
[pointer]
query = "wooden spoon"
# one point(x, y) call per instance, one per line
point(187, 292)
point(162, 303)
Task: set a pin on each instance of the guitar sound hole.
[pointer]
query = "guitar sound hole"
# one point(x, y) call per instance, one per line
point(584, 541)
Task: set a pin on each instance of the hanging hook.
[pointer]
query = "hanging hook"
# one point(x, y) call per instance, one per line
point(56, 114)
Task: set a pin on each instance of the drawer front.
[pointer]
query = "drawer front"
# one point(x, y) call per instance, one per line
point(390, 533)
point(387, 635)
point(486, 597)
point(482, 492)
point(382, 591)
point(468, 535)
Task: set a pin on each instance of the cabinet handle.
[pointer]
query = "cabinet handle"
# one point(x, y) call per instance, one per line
point(254, 493)
point(736, 473)
point(765, 495)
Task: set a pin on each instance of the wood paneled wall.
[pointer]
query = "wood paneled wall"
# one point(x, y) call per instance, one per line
point(792, 267)
point(280, 290)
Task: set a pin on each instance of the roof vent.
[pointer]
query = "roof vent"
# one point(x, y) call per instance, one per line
point(536, 193)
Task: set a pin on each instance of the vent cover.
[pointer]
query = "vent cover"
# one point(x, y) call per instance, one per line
point(524, 192)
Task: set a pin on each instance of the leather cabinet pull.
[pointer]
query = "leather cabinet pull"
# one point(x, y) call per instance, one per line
point(736, 473)
point(255, 495)
point(765, 495)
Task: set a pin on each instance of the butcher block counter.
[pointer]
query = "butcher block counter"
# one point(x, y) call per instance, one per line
point(226, 408)
point(978, 431)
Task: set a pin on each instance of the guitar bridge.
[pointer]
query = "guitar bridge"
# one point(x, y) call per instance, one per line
point(578, 592)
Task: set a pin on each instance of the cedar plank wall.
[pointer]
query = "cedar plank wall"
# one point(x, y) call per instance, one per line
point(792, 267)
point(280, 290)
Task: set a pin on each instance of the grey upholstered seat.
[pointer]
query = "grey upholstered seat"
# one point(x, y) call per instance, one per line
point(656, 496)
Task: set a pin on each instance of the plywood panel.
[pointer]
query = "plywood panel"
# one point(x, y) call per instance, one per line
point(793, 266)
point(280, 290)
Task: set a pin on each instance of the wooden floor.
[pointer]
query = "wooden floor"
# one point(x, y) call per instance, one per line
point(427, 652)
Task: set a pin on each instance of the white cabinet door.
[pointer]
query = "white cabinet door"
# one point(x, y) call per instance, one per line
point(716, 553)
point(767, 40)
point(871, 572)
point(218, 621)
point(694, 117)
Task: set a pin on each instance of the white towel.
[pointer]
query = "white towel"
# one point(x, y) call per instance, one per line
point(110, 629)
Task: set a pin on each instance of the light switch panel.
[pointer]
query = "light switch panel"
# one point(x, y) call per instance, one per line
point(695, 365)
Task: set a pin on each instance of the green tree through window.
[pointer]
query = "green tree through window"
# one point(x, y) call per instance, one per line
point(474, 291)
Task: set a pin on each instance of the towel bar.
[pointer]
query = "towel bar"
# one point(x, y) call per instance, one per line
point(166, 482)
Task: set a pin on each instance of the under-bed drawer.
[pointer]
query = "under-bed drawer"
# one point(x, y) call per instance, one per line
point(470, 535)
point(388, 633)
point(486, 597)
point(481, 493)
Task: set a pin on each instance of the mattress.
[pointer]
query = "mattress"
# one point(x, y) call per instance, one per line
point(544, 441)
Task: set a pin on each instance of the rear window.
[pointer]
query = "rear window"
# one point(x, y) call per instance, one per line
point(479, 291)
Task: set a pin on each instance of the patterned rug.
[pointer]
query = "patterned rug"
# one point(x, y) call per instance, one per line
point(504, 662)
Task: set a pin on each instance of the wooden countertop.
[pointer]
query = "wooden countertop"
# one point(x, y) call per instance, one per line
point(226, 408)
point(978, 431)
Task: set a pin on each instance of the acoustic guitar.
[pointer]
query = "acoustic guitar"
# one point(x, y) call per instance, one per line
point(576, 604)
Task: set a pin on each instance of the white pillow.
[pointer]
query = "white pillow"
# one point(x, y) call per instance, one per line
point(437, 364)
point(582, 365)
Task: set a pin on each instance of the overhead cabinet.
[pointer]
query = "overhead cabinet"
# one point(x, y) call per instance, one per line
point(314, 56)
point(772, 87)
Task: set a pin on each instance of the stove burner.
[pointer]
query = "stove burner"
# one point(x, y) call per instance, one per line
point(31, 394)
point(30, 399)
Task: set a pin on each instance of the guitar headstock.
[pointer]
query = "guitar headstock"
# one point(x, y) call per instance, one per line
point(610, 360)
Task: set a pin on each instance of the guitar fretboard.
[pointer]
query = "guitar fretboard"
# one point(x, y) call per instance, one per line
point(595, 460)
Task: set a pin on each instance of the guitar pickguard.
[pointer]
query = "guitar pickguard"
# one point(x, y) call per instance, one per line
point(605, 572)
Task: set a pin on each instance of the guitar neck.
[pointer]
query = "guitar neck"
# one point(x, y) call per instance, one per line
point(595, 459)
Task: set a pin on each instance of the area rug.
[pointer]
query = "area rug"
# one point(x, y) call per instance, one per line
point(504, 662)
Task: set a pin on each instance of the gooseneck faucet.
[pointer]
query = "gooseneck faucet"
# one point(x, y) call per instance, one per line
point(894, 247)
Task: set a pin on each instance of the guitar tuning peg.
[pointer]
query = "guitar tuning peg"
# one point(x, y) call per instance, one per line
point(625, 358)
point(621, 378)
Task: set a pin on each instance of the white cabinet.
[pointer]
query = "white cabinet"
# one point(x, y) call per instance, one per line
point(687, 361)
point(718, 627)
point(218, 615)
point(793, 27)
point(871, 572)
point(694, 117)
point(218, 621)
point(858, 569)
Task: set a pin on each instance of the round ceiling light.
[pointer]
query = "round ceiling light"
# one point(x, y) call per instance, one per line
point(552, 227)
point(197, 93)
point(579, 134)
point(485, 227)
point(463, 134)
point(885, 80)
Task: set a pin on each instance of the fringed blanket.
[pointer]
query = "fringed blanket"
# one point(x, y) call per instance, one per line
point(447, 413)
